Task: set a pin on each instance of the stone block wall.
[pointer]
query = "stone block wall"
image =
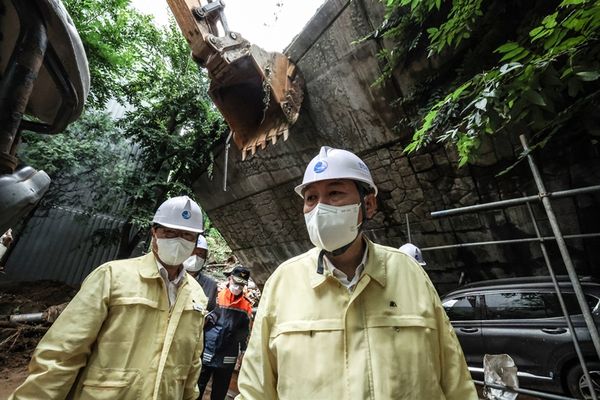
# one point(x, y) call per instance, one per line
point(260, 216)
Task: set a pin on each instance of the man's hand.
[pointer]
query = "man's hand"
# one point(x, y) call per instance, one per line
point(7, 238)
point(210, 318)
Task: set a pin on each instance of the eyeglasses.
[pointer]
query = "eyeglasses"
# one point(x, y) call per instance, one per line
point(169, 233)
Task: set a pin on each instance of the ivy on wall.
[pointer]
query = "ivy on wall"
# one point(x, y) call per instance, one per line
point(530, 67)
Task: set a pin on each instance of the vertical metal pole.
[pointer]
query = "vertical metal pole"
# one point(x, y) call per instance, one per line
point(587, 315)
point(563, 306)
point(408, 228)
point(227, 144)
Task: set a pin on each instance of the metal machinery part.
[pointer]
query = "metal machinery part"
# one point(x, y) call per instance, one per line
point(259, 93)
point(44, 81)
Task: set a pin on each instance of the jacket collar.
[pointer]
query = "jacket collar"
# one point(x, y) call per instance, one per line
point(375, 266)
point(148, 269)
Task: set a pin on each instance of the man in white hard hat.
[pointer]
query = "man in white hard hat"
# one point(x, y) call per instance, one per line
point(194, 264)
point(350, 319)
point(413, 251)
point(134, 329)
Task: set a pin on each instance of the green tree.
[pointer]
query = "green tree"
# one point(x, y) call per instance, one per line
point(530, 67)
point(114, 36)
point(173, 122)
point(87, 162)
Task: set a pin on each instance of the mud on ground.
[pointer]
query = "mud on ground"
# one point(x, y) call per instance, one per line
point(17, 341)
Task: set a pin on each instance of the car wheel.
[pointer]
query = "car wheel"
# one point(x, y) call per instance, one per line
point(577, 383)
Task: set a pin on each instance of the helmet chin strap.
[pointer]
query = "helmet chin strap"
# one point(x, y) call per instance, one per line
point(334, 253)
point(343, 249)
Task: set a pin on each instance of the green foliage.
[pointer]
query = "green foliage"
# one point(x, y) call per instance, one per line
point(114, 37)
point(538, 78)
point(219, 250)
point(87, 163)
point(173, 122)
point(458, 25)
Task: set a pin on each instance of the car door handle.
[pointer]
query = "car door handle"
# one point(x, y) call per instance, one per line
point(469, 330)
point(554, 331)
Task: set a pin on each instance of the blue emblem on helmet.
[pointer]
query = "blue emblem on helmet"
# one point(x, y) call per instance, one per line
point(186, 214)
point(320, 167)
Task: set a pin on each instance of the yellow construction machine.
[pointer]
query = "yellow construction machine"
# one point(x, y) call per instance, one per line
point(259, 93)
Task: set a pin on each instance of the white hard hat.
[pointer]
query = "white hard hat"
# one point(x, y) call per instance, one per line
point(413, 251)
point(179, 213)
point(336, 164)
point(201, 243)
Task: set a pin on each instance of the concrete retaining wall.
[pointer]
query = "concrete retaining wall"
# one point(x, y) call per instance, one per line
point(261, 217)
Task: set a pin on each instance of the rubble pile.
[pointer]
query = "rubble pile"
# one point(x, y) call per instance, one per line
point(17, 339)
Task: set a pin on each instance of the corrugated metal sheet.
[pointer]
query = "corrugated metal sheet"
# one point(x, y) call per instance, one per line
point(61, 244)
point(116, 110)
point(65, 243)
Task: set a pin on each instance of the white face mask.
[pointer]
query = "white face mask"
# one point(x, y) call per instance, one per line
point(193, 264)
point(174, 251)
point(235, 288)
point(331, 227)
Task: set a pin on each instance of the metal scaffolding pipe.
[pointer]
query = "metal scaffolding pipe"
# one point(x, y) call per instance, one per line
point(510, 241)
point(514, 202)
point(33, 317)
point(562, 246)
point(226, 164)
point(563, 306)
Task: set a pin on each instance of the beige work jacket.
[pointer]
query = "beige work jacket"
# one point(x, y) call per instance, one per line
point(119, 339)
point(388, 339)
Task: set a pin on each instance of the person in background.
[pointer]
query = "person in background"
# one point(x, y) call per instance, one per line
point(413, 251)
point(134, 329)
point(350, 319)
point(226, 334)
point(194, 264)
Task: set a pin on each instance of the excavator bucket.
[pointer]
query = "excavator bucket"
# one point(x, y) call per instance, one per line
point(259, 98)
point(259, 93)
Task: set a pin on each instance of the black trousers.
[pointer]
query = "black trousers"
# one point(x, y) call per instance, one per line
point(220, 383)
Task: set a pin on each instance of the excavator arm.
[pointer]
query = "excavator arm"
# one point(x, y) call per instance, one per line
point(259, 93)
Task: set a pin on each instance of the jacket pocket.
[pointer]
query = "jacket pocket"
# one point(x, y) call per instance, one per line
point(408, 366)
point(313, 349)
point(111, 383)
point(179, 379)
point(321, 325)
point(127, 301)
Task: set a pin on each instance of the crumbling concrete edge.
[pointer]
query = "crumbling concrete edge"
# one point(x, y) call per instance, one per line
point(314, 28)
